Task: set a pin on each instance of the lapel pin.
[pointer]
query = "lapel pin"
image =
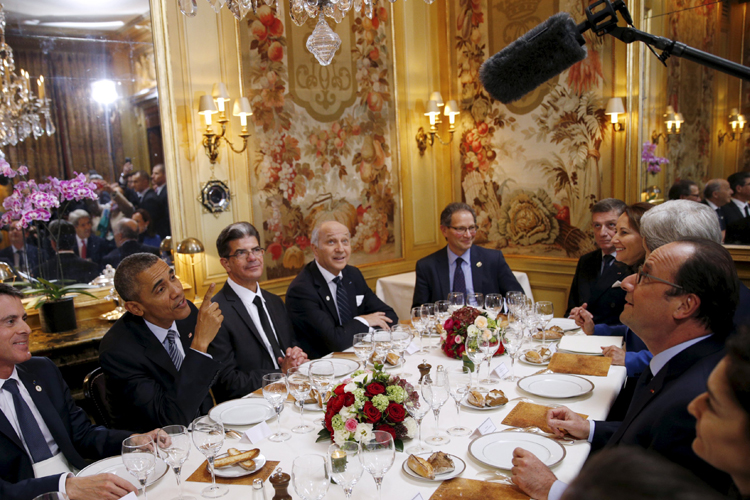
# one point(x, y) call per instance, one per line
point(328, 298)
point(479, 264)
point(190, 335)
point(38, 389)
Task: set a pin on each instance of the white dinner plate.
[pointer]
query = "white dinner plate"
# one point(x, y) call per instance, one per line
point(566, 324)
point(556, 385)
point(114, 465)
point(247, 411)
point(458, 464)
point(496, 449)
point(236, 470)
point(523, 359)
point(341, 367)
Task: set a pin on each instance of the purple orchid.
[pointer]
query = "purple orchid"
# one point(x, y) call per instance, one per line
point(653, 162)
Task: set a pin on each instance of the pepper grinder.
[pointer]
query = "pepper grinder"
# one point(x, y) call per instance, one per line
point(280, 482)
point(424, 371)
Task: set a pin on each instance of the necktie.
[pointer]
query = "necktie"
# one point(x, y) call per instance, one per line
point(83, 249)
point(267, 329)
point(606, 262)
point(459, 280)
point(342, 301)
point(32, 434)
point(747, 210)
point(171, 346)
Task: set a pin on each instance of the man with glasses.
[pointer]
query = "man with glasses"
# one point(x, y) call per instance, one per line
point(256, 336)
point(737, 211)
point(460, 266)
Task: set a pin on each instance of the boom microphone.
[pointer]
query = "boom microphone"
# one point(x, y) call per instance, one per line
point(543, 52)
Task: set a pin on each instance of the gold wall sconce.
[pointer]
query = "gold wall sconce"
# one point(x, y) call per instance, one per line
point(673, 122)
point(432, 111)
point(615, 108)
point(737, 122)
point(215, 104)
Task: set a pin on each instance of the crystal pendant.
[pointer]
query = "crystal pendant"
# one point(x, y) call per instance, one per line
point(357, 6)
point(328, 10)
point(369, 8)
point(216, 5)
point(239, 8)
point(50, 126)
point(271, 3)
point(345, 5)
point(188, 7)
point(297, 12)
point(323, 43)
point(338, 14)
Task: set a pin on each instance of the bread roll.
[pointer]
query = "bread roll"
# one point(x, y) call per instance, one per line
point(495, 397)
point(533, 357)
point(392, 358)
point(441, 463)
point(420, 466)
point(235, 459)
point(247, 464)
point(476, 399)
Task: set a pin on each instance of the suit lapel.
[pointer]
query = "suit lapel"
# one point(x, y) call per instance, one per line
point(443, 270)
point(273, 316)
point(477, 277)
point(323, 291)
point(241, 310)
point(644, 394)
point(155, 351)
point(614, 272)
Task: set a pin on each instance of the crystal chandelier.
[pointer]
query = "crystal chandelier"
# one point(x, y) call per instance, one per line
point(324, 42)
point(21, 112)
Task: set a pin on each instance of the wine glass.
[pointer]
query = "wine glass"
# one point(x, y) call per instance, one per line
point(457, 301)
point(275, 391)
point(442, 311)
point(459, 386)
point(475, 353)
point(493, 304)
point(139, 457)
point(299, 386)
point(321, 376)
point(362, 344)
point(513, 340)
point(208, 437)
point(401, 336)
point(419, 323)
point(417, 410)
point(377, 456)
point(310, 476)
point(475, 300)
point(436, 393)
point(544, 311)
point(428, 315)
point(489, 343)
point(344, 464)
point(173, 441)
point(382, 343)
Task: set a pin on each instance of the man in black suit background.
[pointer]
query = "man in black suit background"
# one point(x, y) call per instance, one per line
point(685, 189)
point(256, 336)
point(329, 301)
point(126, 239)
point(737, 211)
point(62, 240)
point(160, 219)
point(19, 255)
point(145, 196)
point(460, 266)
point(88, 246)
point(716, 194)
point(154, 357)
point(598, 270)
point(681, 305)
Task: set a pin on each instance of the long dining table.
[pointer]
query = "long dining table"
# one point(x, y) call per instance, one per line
point(397, 484)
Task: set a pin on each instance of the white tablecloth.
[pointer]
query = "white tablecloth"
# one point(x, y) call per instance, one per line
point(397, 485)
point(398, 290)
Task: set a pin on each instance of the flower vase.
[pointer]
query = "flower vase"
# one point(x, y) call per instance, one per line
point(58, 315)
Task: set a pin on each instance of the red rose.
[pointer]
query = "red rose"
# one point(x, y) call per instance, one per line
point(372, 414)
point(335, 404)
point(386, 428)
point(374, 389)
point(328, 424)
point(395, 412)
point(448, 325)
point(348, 399)
point(339, 390)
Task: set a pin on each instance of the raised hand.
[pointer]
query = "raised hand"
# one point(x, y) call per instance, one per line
point(209, 321)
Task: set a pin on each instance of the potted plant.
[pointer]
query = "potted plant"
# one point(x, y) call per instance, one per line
point(55, 303)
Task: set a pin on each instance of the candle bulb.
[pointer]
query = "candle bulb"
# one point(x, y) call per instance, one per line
point(338, 461)
point(40, 84)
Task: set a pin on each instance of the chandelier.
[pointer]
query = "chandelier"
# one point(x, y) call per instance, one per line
point(21, 112)
point(324, 42)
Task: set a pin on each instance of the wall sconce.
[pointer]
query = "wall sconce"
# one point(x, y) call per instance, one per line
point(673, 122)
point(737, 122)
point(433, 112)
point(615, 107)
point(215, 104)
point(190, 251)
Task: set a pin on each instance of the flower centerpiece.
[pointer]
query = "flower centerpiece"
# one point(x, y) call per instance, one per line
point(369, 401)
point(466, 321)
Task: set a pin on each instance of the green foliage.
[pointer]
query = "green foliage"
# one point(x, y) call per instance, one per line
point(51, 291)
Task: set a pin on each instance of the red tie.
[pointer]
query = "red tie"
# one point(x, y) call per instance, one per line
point(83, 249)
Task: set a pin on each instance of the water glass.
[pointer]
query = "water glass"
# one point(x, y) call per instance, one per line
point(428, 315)
point(345, 465)
point(382, 344)
point(489, 345)
point(474, 352)
point(208, 437)
point(139, 457)
point(310, 476)
point(475, 300)
point(401, 336)
point(544, 311)
point(460, 384)
point(456, 300)
point(513, 340)
point(417, 409)
point(173, 443)
point(436, 393)
point(419, 323)
point(362, 344)
point(377, 456)
point(275, 391)
point(299, 386)
point(493, 304)
point(442, 311)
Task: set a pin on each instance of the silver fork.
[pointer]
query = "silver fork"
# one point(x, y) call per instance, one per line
point(498, 477)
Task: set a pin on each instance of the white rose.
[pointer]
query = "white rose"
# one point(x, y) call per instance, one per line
point(348, 412)
point(364, 431)
point(411, 427)
point(340, 436)
point(350, 387)
point(472, 330)
point(486, 334)
point(480, 322)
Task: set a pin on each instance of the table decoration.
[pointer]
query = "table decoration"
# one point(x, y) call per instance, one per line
point(530, 415)
point(580, 364)
point(471, 489)
point(466, 321)
point(201, 475)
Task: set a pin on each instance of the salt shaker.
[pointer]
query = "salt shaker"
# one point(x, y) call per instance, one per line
point(258, 493)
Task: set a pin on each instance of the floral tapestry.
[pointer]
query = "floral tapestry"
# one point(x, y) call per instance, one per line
point(530, 169)
point(324, 137)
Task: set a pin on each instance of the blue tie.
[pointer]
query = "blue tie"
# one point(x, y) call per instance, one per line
point(459, 280)
point(342, 301)
point(174, 353)
point(32, 434)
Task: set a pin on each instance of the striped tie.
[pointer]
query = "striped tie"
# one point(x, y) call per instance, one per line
point(171, 346)
point(342, 301)
point(32, 433)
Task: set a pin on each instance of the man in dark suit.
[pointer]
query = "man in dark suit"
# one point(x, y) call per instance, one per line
point(461, 267)
point(256, 336)
point(329, 301)
point(145, 196)
point(88, 246)
point(74, 268)
point(19, 255)
point(716, 194)
point(160, 219)
point(155, 357)
point(737, 211)
point(126, 239)
point(597, 271)
point(40, 423)
point(681, 305)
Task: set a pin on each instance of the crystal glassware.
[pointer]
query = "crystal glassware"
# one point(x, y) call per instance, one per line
point(428, 315)
point(382, 344)
point(544, 311)
point(401, 336)
point(489, 343)
point(475, 300)
point(310, 476)
point(139, 457)
point(442, 311)
point(457, 300)
point(419, 324)
point(377, 456)
point(475, 353)
point(173, 443)
point(208, 437)
point(344, 465)
point(493, 304)
point(512, 340)
point(436, 393)
point(362, 344)
point(459, 385)
point(299, 386)
point(417, 409)
point(275, 390)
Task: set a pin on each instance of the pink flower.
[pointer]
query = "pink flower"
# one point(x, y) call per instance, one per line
point(350, 425)
point(6, 170)
point(457, 340)
point(23, 170)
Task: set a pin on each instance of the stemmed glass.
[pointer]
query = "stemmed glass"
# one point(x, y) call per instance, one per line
point(382, 343)
point(428, 315)
point(493, 304)
point(362, 344)
point(208, 437)
point(417, 410)
point(345, 465)
point(321, 376)
point(489, 343)
point(419, 324)
point(475, 353)
point(436, 393)
point(377, 456)
point(459, 385)
point(401, 336)
point(442, 311)
point(310, 476)
point(513, 340)
point(475, 300)
point(174, 444)
point(456, 300)
point(299, 386)
point(275, 391)
point(544, 311)
point(139, 457)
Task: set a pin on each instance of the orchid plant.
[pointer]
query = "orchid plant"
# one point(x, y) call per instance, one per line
point(653, 162)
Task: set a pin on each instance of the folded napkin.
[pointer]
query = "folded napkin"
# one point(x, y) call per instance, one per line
point(202, 475)
point(530, 415)
point(471, 489)
point(580, 364)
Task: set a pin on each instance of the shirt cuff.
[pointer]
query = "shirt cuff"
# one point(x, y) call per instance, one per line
point(592, 426)
point(61, 484)
point(204, 353)
point(556, 490)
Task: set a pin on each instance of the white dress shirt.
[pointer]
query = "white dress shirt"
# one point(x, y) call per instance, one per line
point(247, 297)
point(328, 276)
point(80, 242)
point(741, 205)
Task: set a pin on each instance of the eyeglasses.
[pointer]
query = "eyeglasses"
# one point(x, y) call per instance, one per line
point(641, 274)
point(462, 229)
point(244, 254)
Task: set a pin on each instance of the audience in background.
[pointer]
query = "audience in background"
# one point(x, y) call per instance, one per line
point(146, 233)
point(20, 255)
point(737, 212)
point(62, 240)
point(160, 218)
point(685, 189)
point(88, 245)
point(716, 194)
point(126, 239)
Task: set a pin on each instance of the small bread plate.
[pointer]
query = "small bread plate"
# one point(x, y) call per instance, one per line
point(237, 470)
point(247, 411)
point(556, 385)
point(537, 337)
point(465, 403)
point(496, 449)
point(523, 359)
point(387, 366)
point(341, 367)
point(459, 466)
point(114, 465)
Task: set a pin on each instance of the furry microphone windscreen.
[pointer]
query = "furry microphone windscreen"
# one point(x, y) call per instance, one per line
point(543, 52)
